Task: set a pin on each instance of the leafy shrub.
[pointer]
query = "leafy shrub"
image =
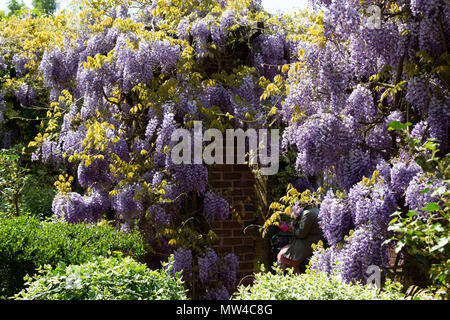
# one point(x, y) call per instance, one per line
point(12, 180)
point(27, 243)
point(38, 192)
point(25, 187)
point(308, 286)
point(113, 278)
point(421, 235)
point(36, 198)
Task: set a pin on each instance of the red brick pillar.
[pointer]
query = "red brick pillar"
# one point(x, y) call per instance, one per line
point(234, 237)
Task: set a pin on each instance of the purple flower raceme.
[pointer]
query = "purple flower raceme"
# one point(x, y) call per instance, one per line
point(57, 67)
point(379, 137)
point(401, 175)
point(335, 218)
point(439, 120)
point(219, 34)
point(120, 148)
point(207, 266)
point(228, 270)
point(420, 189)
point(353, 166)
point(217, 294)
point(212, 269)
point(97, 204)
point(321, 260)
point(128, 203)
point(127, 65)
point(200, 33)
point(299, 94)
point(297, 210)
point(193, 178)
point(361, 104)
point(2, 107)
point(164, 138)
point(75, 208)
point(182, 29)
point(268, 52)
point(327, 260)
point(429, 35)
point(421, 7)
point(157, 179)
point(215, 207)
point(320, 140)
point(140, 148)
point(371, 205)
point(182, 261)
point(26, 94)
point(96, 175)
point(420, 131)
point(384, 170)
point(3, 65)
point(20, 62)
point(161, 218)
point(417, 94)
point(165, 55)
point(151, 128)
point(51, 152)
point(363, 250)
point(69, 207)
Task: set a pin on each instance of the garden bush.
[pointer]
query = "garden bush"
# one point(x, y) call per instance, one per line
point(309, 286)
point(27, 243)
point(38, 197)
point(113, 278)
point(25, 187)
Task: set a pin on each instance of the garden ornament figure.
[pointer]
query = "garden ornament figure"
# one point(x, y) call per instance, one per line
point(306, 232)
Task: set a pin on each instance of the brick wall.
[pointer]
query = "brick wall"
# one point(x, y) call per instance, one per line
point(234, 237)
point(238, 185)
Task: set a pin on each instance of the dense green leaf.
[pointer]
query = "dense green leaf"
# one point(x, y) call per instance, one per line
point(114, 278)
point(27, 243)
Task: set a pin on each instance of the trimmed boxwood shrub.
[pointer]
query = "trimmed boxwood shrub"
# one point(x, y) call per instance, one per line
point(113, 278)
point(309, 286)
point(27, 243)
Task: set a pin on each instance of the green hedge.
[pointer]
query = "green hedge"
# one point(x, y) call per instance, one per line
point(113, 278)
point(27, 243)
point(309, 286)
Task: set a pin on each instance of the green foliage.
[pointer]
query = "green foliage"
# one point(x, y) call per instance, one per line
point(425, 153)
point(425, 234)
point(309, 286)
point(38, 194)
point(113, 278)
point(45, 6)
point(15, 7)
point(22, 190)
point(12, 179)
point(428, 240)
point(27, 243)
